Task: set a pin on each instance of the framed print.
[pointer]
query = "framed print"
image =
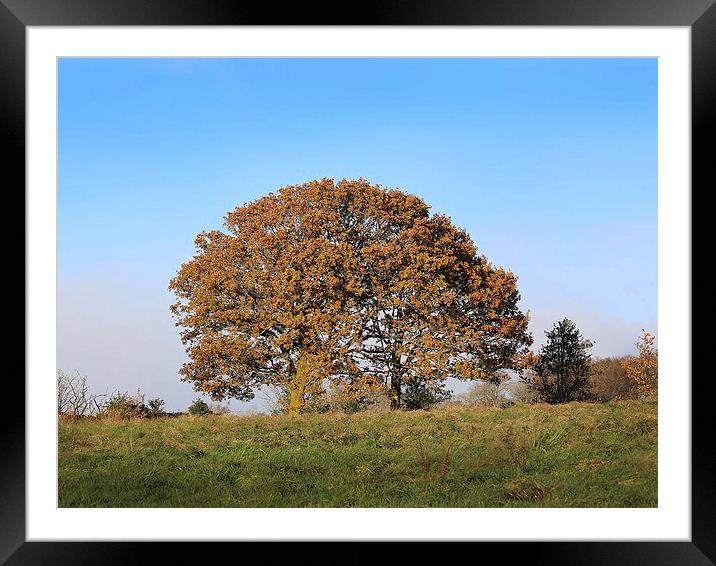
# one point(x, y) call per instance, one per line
point(420, 275)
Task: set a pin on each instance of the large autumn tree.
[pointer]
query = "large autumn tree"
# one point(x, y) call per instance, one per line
point(344, 282)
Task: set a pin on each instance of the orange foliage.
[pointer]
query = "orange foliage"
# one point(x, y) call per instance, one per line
point(644, 369)
point(361, 283)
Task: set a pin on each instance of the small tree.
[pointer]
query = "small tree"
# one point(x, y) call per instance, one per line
point(644, 369)
point(217, 408)
point(199, 408)
point(490, 393)
point(608, 379)
point(74, 396)
point(155, 408)
point(519, 392)
point(561, 373)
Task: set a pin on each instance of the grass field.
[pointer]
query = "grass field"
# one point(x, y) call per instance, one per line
point(574, 455)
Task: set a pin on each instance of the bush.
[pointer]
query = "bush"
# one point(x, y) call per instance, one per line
point(355, 404)
point(500, 391)
point(199, 408)
point(485, 393)
point(419, 394)
point(608, 379)
point(122, 405)
point(520, 392)
point(219, 409)
point(155, 408)
point(349, 399)
point(125, 406)
point(278, 399)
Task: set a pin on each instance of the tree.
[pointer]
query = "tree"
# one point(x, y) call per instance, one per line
point(155, 408)
point(488, 393)
point(74, 396)
point(519, 392)
point(344, 284)
point(434, 309)
point(199, 408)
point(266, 303)
point(561, 371)
point(608, 379)
point(644, 369)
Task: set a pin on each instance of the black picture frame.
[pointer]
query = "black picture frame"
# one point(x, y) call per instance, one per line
point(699, 15)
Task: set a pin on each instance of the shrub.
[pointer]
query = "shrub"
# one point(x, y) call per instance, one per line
point(520, 392)
point(219, 409)
point(355, 404)
point(315, 400)
point(492, 393)
point(199, 408)
point(483, 393)
point(420, 394)
point(500, 391)
point(155, 408)
point(122, 405)
point(346, 398)
point(608, 379)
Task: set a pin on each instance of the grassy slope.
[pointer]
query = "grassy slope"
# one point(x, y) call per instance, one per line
point(575, 455)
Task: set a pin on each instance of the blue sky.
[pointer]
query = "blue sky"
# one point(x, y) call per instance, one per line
point(550, 164)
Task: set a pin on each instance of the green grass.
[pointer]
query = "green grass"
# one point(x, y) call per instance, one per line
point(574, 455)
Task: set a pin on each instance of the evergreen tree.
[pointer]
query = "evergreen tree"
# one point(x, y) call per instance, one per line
point(561, 373)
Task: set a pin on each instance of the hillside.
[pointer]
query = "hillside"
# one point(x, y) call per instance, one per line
point(573, 455)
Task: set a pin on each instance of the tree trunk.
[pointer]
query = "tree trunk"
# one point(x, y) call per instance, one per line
point(560, 388)
point(297, 386)
point(394, 393)
point(296, 390)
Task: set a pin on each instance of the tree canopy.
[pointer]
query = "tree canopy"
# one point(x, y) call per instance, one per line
point(347, 283)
